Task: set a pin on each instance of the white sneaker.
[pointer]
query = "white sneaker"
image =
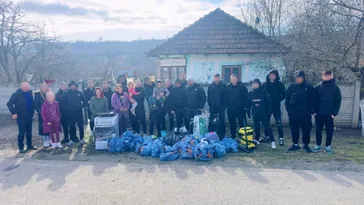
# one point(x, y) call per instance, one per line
point(274, 145)
point(59, 145)
point(46, 144)
point(70, 143)
point(82, 142)
point(132, 111)
point(256, 142)
point(54, 145)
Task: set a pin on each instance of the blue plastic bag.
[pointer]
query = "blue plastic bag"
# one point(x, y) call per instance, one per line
point(128, 134)
point(230, 144)
point(167, 148)
point(176, 147)
point(120, 145)
point(112, 145)
point(157, 148)
point(146, 149)
point(212, 137)
point(219, 150)
point(186, 148)
point(203, 151)
point(137, 142)
point(168, 156)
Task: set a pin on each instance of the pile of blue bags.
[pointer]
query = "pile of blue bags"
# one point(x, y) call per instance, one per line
point(199, 147)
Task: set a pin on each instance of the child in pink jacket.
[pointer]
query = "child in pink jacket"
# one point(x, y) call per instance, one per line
point(51, 119)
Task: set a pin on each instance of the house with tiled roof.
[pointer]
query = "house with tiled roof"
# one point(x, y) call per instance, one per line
point(218, 43)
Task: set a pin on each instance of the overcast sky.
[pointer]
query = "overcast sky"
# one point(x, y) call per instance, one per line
point(121, 19)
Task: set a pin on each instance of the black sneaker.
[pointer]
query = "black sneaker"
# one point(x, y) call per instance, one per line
point(281, 142)
point(22, 151)
point(65, 140)
point(307, 149)
point(31, 148)
point(294, 148)
point(264, 139)
point(76, 140)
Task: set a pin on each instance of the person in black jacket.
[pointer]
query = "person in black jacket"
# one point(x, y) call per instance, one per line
point(64, 117)
point(107, 92)
point(328, 106)
point(182, 78)
point(74, 101)
point(89, 93)
point(148, 88)
point(139, 118)
point(300, 105)
point(277, 91)
point(195, 99)
point(260, 104)
point(215, 100)
point(167, 107)
point(236, 100)
point(39, 99)
point(20, 106)
point(123, 81)
point(178, 95)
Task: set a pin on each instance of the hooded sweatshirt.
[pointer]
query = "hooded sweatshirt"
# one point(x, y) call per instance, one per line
point(300, 98)
point(73, 100)
point(276, 90)
point(260, 102)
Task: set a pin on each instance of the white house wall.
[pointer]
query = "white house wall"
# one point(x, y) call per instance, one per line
point(204, 67)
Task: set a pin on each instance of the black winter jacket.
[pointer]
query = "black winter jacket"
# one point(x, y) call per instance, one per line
point(17, 104)
point(178, 96)
point(301, 99)
point(140, 99)
point(195, 97)
point(276, 90)
point(59, 96)
point(89, 93)
point(148, 90)
point(329, 98)
point(73, 101)
point(108, 94)
point(39, 99)
point(168, 104)
point(216, 95)
point(236, 97)
point(260, 102)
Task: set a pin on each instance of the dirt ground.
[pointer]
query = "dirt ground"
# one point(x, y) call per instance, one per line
point(348, 146)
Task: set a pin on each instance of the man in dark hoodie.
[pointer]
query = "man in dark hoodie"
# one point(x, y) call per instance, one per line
point(107, 92)
point(260, 105)
point(139, 118)
point(277, 92)
point(216, 102)
point(124, 82)
point(236, 100)
point(195, 99)
point(167, 107)
point(64, 117)
point(300, 105)
point(149, 86)
point(89, 93)
point(178, 95)
point(20, 106)
point(74, 101)
point(328, 106)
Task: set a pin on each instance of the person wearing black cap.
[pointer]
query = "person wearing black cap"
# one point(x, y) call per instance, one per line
point(300, 105)
point(328, 107)
point(89, 93)
point(123, 81)
point(216, 102)
point(236, 99)
point(277, 92)
point(149, 86)
point(64, 118)
point(195, 99)
point(260, 105)
point(73, 102)
point(178, 96)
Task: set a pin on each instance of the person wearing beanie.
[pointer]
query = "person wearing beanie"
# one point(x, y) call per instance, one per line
point(64, 119)
point(73, 102)
point(260, 107)
point(195, 99)
point(300, 105)
point(178, 95)
point(89, 92)
point(277, 92)
point(328, 106)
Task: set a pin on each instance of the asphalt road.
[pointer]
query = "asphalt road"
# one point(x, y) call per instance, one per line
point(29, 181)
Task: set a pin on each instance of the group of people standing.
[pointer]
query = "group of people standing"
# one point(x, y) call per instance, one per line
point(180, 102)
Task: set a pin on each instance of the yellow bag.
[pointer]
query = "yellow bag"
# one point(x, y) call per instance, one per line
point(247, 137)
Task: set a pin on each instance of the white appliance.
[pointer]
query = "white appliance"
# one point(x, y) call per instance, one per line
point(106, 126)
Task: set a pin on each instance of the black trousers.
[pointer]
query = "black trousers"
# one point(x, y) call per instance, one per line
point(190, 114)
point(328, 122)
point(170, 115)
point(25, 130)
point(305, 124)
point(124, 123)
point(181, 117)
point(233, 114)
point(73, 118)
point(139, 119)
point(155, 119)
point(220, 113)
point(278, 118)
point(267, 129)
point(64, 123)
